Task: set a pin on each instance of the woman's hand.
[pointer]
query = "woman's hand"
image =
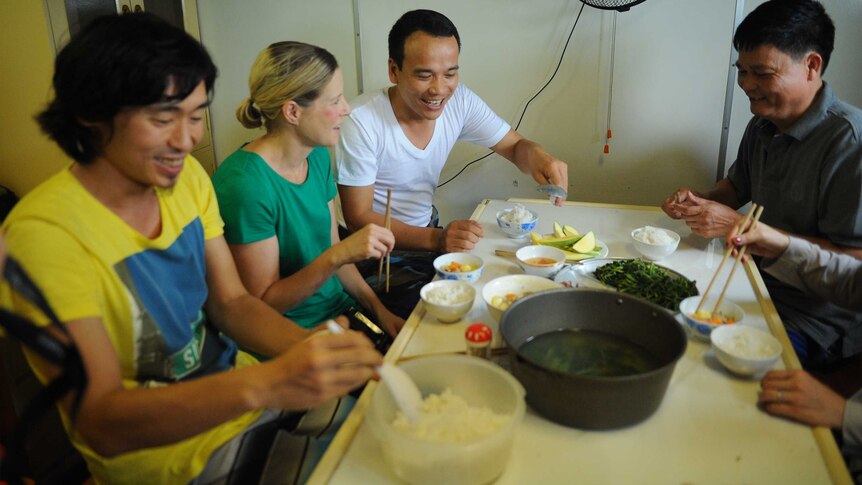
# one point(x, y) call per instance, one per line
point(796, 395)
point(762, 240)
point(370, 242)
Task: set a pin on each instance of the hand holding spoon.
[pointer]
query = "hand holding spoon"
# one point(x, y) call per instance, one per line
point(407, 396)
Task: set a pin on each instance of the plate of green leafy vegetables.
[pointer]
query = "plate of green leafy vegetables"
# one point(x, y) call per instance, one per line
point(652, 282)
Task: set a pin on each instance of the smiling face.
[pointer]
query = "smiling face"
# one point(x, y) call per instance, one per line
point(427, 78)
point(778, 87)
point(148, 145)
point(320, 122)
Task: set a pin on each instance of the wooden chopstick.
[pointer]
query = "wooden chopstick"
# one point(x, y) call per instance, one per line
point(387, 223)
point(739, 229)
point(739, 255)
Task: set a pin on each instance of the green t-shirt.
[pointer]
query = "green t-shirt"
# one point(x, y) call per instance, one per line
point(257, 203)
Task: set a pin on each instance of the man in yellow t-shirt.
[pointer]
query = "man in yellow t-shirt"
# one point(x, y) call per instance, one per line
point(126, 244)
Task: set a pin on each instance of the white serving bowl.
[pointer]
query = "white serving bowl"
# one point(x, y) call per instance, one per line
point(445, 260)
point(527, 254)
point(652, 251)
point(702, 329)
point(517, 284)
point(516, 230)
point(481, 384)
point(448, 300)
point(745, 351)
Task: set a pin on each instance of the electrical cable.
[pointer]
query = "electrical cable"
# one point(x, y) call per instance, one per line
point(517, 125)
point(609, 134)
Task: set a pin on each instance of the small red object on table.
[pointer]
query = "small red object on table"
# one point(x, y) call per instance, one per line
point(478, 338)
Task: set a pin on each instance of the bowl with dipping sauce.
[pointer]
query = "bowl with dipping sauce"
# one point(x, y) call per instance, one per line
point(745, 351)
point(517, 221)
point(710, 318)
point(464, 435)
point(448, 300)
point(655, 243)
point(540, 260)
point(459, 266)
point(500, 293)
point(592, 359)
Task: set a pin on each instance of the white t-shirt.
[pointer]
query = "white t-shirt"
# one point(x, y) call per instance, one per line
point(373, 150)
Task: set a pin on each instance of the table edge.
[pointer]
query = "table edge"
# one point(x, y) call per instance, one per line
point(829, 450)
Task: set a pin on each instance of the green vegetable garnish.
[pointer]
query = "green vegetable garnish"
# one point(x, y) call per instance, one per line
point(646, 280)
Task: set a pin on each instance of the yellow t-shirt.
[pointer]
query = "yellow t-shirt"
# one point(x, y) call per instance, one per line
point(147, 292)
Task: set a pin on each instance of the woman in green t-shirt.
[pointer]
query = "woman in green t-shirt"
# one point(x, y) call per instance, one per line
point(276, 194)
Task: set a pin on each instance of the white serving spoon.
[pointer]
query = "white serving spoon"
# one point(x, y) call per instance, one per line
point(407, 396)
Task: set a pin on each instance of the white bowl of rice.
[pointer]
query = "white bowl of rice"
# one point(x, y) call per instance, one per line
point(745, 351)
point(448, 300)
point(655, 243)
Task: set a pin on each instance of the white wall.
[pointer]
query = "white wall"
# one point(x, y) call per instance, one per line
point(235, 31)
point(670, 70)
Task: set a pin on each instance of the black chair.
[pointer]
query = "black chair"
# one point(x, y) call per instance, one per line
point(50, 456)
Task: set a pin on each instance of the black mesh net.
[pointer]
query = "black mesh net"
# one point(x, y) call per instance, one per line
point(620, 5)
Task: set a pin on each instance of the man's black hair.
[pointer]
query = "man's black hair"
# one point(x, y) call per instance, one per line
point(795, 27)
point(428, 21)
point(116, 62)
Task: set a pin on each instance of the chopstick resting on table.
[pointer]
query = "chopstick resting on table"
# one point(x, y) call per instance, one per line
point(387, 223)
point(743, 226)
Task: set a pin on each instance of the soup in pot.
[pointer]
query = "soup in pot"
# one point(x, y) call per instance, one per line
point(588, 353)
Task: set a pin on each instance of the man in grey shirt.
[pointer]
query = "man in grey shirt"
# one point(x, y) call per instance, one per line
point(800, 157)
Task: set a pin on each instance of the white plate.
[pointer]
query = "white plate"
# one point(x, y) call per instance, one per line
point(603, 253)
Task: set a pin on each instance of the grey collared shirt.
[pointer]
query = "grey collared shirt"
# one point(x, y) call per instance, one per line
point(809, 180)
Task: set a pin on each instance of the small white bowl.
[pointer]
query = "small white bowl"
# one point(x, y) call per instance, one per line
point(447, 259)
point(650, 250)
point(516, 230)
point(745, 351)
point(517, 284)
point(448, 300)
point(702, 329)
point(552, 260)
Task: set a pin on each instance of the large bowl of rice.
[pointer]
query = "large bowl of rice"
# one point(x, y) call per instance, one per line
point(448, 300)
point(471, 409)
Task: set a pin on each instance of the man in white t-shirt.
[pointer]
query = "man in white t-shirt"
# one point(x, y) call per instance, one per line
point(399, 138)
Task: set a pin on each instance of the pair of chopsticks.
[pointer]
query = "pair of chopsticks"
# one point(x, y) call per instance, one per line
point(743, 226)
point(387, 223)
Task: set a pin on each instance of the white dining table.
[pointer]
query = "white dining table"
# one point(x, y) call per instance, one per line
point(708, 429)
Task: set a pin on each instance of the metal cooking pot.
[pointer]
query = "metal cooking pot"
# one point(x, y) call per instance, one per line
point(593, 402)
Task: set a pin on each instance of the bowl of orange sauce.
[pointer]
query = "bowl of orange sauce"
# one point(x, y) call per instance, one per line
point(539, 260)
